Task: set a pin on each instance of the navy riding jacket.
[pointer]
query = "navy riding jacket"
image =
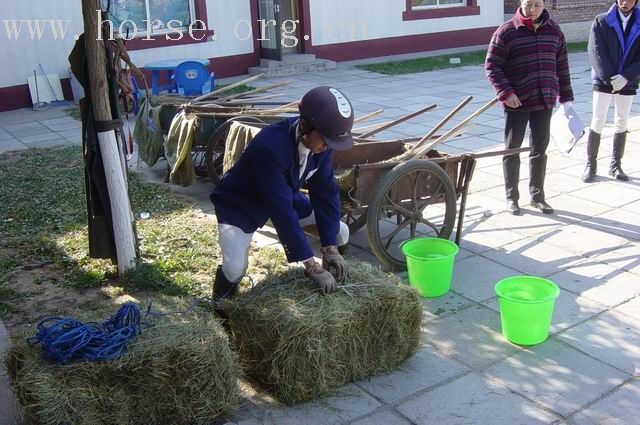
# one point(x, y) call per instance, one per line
point(612, 51)
point(265, 184)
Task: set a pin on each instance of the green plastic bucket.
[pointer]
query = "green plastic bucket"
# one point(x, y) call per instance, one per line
point(526, 308)
point(430, 264)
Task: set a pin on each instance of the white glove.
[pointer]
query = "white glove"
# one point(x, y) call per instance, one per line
point(618, 82)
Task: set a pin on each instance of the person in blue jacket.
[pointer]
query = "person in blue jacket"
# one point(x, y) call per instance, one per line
point(265, 184)
point(614, 54)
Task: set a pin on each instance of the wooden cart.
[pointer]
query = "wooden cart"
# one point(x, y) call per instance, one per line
point(398, 201)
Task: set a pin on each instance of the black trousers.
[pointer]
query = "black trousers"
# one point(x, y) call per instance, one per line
point(515, 127)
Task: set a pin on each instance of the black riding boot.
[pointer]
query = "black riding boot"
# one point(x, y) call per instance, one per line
point(615, 169)
point(222, 289)
point(593, 144)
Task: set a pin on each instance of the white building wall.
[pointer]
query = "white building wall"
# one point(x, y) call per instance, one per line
point(340, 21)
point(21, 56)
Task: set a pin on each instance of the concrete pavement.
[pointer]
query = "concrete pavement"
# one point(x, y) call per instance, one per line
point(465, 372)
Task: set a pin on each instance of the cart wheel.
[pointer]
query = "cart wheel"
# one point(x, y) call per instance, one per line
point(414, 199)
point(214, 155)
point(198, 156)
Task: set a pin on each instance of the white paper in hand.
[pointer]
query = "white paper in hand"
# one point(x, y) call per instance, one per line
point(566, 128)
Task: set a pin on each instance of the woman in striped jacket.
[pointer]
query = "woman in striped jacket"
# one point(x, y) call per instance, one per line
point(528, 67)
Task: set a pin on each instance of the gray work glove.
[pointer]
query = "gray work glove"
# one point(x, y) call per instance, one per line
point(618, 82)
point(322, 278)
point(331, 258)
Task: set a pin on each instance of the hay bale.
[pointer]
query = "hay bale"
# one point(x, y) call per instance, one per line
point(177, 373)
point(303, 345)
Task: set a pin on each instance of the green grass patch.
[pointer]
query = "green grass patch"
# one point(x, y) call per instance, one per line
point(577, 47)
point(243, 88)
point(7, 265)
point(8, 294)
point(46, 222)
point(434, 63)
point(431, 63)
point(8, 298)
point(73, 112)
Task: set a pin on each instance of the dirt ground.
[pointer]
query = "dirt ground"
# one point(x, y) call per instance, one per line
point(39, 295)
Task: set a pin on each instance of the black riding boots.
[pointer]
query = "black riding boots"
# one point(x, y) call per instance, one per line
point(222, 289)
point(615, 169)
point(593, 144)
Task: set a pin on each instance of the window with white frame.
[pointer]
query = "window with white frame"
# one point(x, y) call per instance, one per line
point(431, 4)
point(159, 16)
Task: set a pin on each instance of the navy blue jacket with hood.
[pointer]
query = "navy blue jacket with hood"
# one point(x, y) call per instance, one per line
point(265, 184)
point(612, 51)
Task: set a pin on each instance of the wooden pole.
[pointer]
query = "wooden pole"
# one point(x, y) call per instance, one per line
point(441, 124)
point(417, 153)
point(368, 116)
point(398, 121)
point(120, 206)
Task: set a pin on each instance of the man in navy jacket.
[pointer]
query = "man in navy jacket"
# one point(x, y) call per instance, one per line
point(614, 53)
point(265, 184)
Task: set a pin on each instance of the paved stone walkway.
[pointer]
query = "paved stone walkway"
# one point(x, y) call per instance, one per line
point(465, 372)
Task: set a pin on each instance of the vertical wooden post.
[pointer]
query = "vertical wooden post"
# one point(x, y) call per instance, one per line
point(120, 206)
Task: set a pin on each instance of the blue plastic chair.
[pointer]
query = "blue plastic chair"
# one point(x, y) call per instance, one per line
point(193, 78)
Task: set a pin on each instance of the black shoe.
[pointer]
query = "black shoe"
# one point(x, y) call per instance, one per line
point(616, 172)
point(542, 206)
point(512, 207)
point(615, 169)
point(589, 174)
point(593, 144)
point(222, 289)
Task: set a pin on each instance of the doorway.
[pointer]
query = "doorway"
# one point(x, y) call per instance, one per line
point(276, 40)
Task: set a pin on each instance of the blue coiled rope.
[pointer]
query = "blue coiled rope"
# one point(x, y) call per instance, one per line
point(65, 340)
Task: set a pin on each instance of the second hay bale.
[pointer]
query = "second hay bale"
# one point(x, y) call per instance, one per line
point(178, 373)
point(303, 345)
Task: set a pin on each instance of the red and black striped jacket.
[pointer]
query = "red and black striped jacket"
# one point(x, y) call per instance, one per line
point(533, 64)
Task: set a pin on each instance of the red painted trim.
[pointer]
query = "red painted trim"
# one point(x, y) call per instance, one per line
point(201, 10)
point(200, 35)
point(255, 26)
point(405, 44)
point(470, 9)
point(15, 97)
point(230, 66)
point(142, 43)
point(66, 88)
point(305, 29)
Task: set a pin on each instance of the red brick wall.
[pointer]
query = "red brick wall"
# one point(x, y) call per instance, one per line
point(567, 10)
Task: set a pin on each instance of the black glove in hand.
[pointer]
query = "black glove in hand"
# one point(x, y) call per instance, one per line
point(331, 258)
point(322, 278)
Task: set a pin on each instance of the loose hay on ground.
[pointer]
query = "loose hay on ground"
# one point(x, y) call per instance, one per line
point(302, 345)
point(177, 373)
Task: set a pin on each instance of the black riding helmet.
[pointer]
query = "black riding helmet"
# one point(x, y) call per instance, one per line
point(328, 110)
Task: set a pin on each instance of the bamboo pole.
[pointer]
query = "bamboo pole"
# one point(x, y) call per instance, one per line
point(227, 88)
point(290, 105)
point(398, 121)
point(368, 116)
point(251, 101)
point(363, 130)
point(449, 134)
point(121, 214)
point(441, 124)
point(258, 90)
